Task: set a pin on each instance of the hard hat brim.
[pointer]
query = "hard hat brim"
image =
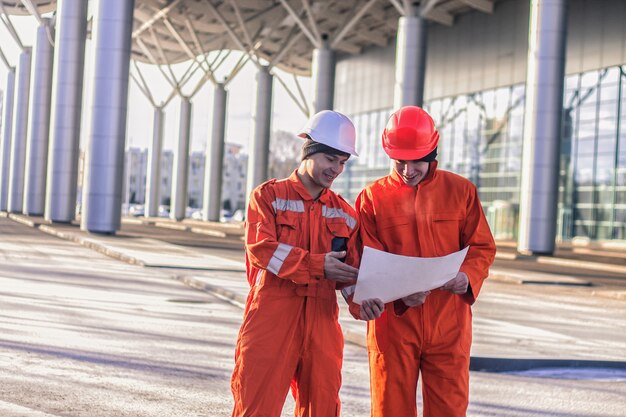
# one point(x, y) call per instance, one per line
point(306, 133)
point(406, 154)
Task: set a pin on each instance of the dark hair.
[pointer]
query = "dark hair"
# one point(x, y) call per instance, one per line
point(430, 157)
point(311, 147)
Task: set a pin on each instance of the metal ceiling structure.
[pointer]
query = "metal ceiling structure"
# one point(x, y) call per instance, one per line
point(281, 32)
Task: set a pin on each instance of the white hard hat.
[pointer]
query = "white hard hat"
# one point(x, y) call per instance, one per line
point(332, 129)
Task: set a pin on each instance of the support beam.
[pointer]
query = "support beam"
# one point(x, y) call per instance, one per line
point(323, 69)
point(398, 6)
point(157, 44)
point(5, 144)
point(141, 83)
point(153, 60)
point(410, 61)
point(178, 205)
point(542, 126)
point(439, 16)
point(4, 17)
point(285, 47)
point(18, 138)
point(67, 97)
point(104, 166)
point(302, 106)
point(232, 34)
point(485, 6)
point(261, 127)
point(198, 44)
point(153, 178)
point(427, 6)
point(39, 123)
point(311, 19)
point(32, 9)
point(314, 40)
point(242, 24)
point(214, 166)
point(353, 21)
point(157, 16)
point(4, 60)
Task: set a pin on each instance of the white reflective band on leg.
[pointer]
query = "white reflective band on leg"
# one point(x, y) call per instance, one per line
point(279, 256)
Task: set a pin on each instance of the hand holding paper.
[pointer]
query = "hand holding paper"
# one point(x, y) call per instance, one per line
point(390, 277)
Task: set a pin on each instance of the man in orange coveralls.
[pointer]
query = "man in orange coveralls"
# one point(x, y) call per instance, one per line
point(290, 333)
point(418, 210)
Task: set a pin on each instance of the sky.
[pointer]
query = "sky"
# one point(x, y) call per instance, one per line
point(287, 116)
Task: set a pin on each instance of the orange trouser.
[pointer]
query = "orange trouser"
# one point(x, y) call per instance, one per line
point(288, 340)
point(424, 339)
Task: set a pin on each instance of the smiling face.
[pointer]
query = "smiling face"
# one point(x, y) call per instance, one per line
point(319, 171)
point(411, 172)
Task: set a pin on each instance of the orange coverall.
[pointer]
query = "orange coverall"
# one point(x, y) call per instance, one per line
point(441, 215)
point(290, 333)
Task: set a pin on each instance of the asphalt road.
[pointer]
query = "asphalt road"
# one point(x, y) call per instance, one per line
point(83, 335)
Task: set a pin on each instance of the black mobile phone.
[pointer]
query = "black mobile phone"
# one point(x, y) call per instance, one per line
point(338, 244)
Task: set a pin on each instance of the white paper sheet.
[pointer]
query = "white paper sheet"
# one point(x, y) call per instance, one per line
point(390, 277)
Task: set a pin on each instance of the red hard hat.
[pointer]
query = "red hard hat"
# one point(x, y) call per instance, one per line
point(410, 134)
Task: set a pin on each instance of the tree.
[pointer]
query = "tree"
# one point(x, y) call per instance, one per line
point(284, 154)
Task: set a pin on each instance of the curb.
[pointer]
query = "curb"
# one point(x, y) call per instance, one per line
point(230, 296)
point(487, 364)
point(507, 277)
point(477, 363)
point(483, 364)
point(520, 278)
point(23, 220)
point(77, 239)
point(548, 260)
point(618, 295)
point(239, 300)
point(91, 245)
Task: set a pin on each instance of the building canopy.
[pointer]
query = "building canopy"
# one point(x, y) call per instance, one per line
point(282, 32)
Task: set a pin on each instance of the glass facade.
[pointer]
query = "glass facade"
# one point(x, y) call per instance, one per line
point(592, 200)
point(481, 139)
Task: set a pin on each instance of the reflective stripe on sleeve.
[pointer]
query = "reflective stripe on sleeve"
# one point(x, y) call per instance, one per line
point(279, 256)
point(332, 212)
point(288, 205)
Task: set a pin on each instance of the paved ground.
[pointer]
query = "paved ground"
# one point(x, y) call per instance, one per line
point(87, 335)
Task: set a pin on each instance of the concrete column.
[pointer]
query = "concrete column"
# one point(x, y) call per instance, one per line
point(542, 126)
point(323, 73)
point(410, 61)
point(19, 134)
point(215, 158)
point(153, 179)
point(67, 96)
point(39, 123)
point(179, 198)
point(5, 145)
point(102, 194)
point(260, 137)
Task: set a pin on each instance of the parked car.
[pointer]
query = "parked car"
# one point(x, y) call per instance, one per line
point(164, 211)
point(136, 210)
point(239, 215)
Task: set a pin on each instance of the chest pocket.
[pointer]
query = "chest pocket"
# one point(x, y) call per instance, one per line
point(446, 230)
point(338, 232)
point(287, 229)
point(385, 222)
point(338, 228)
